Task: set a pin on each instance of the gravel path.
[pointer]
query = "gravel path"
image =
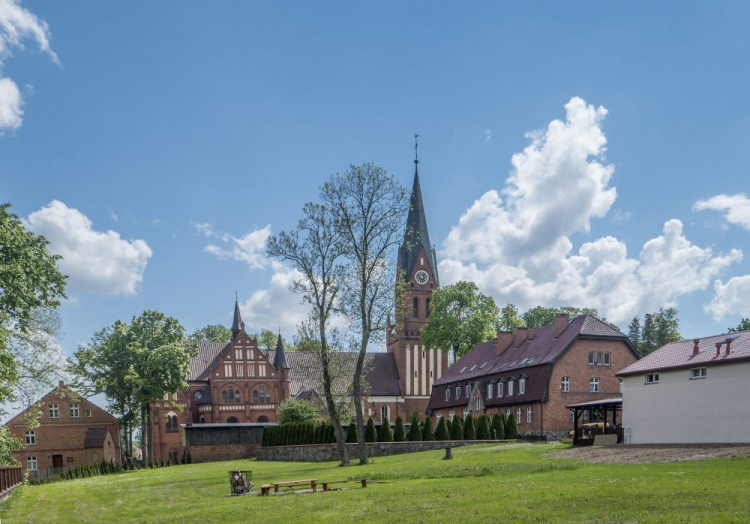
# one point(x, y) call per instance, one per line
point(642, 454)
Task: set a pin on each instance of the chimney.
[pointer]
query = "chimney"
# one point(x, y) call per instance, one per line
point(504, 340)
point(521, 334)
point(561, 322)
point(718, 348)
point(532, 332)
point(61, 384)
point(729, 343)
point(695, 347)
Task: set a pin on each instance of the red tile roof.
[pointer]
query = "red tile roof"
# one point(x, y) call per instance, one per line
point(676, 355)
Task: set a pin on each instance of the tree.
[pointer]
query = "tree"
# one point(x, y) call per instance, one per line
point(511, 429)
point(483, 428)
point(415, 434)
point(351, 433)
point(211, 333)
point(371, 434)
point(461, 318)
point(386, 434)
point(427, 432)
point(498, 426)
point(314, 251)
point(442, 432)
point(469, 430)
point(539, 316)
point(369, 207)
point(744, 325)
point(457, 429)
point(634, 333)
point(509, 318)
point(399, 433)
point(659, 328)
point(297, 411)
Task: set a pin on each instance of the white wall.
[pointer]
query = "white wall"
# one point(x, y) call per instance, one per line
point(677, 410)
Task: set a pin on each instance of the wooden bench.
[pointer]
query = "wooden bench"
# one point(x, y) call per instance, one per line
point(313, 484)
point(265, 489)
point(326, 484)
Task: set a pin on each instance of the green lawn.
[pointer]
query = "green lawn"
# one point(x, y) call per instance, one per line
point(505, 484)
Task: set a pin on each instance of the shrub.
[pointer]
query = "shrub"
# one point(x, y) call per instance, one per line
point(483, 428)
point(330, 435)
point(469, 431)
point(399, 433)
point(442, 430)
point(498, 426)
point(351, 433)
point(297, 411)
point(189, 458)
point(386, 434)
point(371, 435)
point(415, 434)
point(457, 429)
point(511, 430)
point(427, 432)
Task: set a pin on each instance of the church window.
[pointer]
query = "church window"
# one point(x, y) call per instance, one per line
point(171, 423)
point(251, 370)
point(239, 369)
point(261, 393)
point(250, 354)
point(268, 395)
point(255, 396)
point(224, 397)
point(427, 307)
point(415, 308)
point(237, 396)
point(261, 370)
point(231, 394)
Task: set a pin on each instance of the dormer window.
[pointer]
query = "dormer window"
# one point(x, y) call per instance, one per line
point(490, 387)
point(511, 382)
point(458, 391)
point(447, 393)
point(522, 385)
point(468, 390)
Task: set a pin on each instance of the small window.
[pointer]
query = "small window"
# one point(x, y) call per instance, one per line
point(239, 369)
point(439, 415)
point(698, 373)
point(599, 358)
point(261, 370)
point(565, 385)
point(528, 415)
point(88, 413)
point(238, 354)
point(383, 413)
point(652, 378)
point(451, 414)
point(227, 370)
point(447, 393)
point(490, 387)
point(591, 358)
point(478, 404)
point(30, 438)
point(473, 367)
point(607, 360)
point(415, 308)
point(251, 370)
point(462, 369)
point(594, 385)
point(458, 391)
point(499, 389)
point(54, 411)
point(74, 410)
point(522, 386)
point(427, 307)
point(467, 412)
point(468, 390)
point(507, 413)
point(518, 415)
point(31, 463)
point(510, 387)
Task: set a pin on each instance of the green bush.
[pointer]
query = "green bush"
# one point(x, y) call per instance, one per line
point(498, 427)
point(457, 429)
point(415, 434)
point(469, 431)
point(427, 432)
point(386, 434)
point(371, 434)
point(351, 432)
point(483, 428)
point(399, 433)
point(442, 430)
point(511, 430)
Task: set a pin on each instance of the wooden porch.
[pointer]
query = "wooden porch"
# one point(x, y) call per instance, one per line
point(604, 418)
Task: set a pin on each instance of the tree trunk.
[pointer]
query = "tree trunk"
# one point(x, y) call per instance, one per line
point(150, 432)
point(144, 436)
point(357, 393)
point(330, 403)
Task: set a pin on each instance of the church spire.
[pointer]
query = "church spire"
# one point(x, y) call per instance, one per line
point(279, 361)
point(237, 324)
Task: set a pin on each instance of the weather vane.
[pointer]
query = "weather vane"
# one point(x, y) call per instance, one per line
point(416, 148)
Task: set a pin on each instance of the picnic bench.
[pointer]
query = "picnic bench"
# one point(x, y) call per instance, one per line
point(326, 484)
point(313, 484)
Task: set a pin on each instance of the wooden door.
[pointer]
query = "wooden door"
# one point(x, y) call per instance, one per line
point(57, 461)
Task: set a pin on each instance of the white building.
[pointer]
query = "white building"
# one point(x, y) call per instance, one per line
point(689, 392)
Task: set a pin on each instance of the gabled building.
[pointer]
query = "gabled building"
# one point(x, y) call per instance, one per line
point(689, 392)
point(534, 373)
point(71, 432)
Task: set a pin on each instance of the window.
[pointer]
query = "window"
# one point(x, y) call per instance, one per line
point(499, 389)
point(591, 358)
point(510, 387)
point(698, 373)
point(594, 385)
point(468, 390)
point(607, 359)
point(507, 413)
point(467, 412)
point(251, 370)
point(458, 391)
point(572, 417)
point(565, 385)
point(478, 404)
point(239, 368)
point(171, 423)
point(166, 396)
point(451, 414)
point(652, 378)
point(250, 354)
point(238, 354)
point(427, 307)
point(88, 413)
point(31, 463)
point(383, 413)
point(518, 415)
point(227, 370)
point(54, 411)
point(415, 308)
point(447, 393)
point(74, 410)
point(30, 438)
point(224, 399)
point(522, 385)
point(599, 359)
point(528, 415)
point(490, 387)
point(439, 415)
point(237, 396)
point(261, 370)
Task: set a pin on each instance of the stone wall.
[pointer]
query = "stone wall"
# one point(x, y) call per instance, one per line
point(327, 452)
point(222, 452)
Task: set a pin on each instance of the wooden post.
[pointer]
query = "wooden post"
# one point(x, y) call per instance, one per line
point(448, 453)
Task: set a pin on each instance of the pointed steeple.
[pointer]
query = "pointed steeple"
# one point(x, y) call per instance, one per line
point(417, 235)
point(279, 361)
point(237, 324)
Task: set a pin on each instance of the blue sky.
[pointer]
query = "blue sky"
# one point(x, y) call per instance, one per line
point(160, 143)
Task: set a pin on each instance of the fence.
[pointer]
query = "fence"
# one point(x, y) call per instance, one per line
point(10, 478)
point(47, 472)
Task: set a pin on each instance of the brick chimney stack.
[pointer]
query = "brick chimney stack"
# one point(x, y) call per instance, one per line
point(561, 322)
point(729, 343)
point(521, 334)
point(504, 340)
point(695, 347)
point(718, 348)
point(532, 333)
point(61, 384)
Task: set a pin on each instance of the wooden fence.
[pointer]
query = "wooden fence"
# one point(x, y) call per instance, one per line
point(10, 478)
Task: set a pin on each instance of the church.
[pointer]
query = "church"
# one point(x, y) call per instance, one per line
point(237, 382)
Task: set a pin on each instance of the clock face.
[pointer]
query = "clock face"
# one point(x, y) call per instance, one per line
point(421, 277)
point(197, 395)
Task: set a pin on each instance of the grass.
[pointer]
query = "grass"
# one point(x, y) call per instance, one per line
point(516, 483)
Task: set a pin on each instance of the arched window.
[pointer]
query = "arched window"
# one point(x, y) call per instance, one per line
point(171, 422)
point(224, 397)
point(448, 393)
point(268, 395)
point(255, 396)
point(231, 395)
point(458, 391)
point(415, 308)
point(451, 414)
point(202, 419)
point(232, 420)
point(263, 419)
point(237, 396)
point(261, 393)
point(427, 307)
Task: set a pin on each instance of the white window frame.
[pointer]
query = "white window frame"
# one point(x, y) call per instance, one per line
point(478, 404)
point(74, 410)
point(458, 391)
point(565, 384)
point(239, 370)
point(528, 415)
point(384, 412)
point(519, 415)
point(607, 358)
point(466, 412)
point(507, 413)
point(448, 393)
point(261, 370)
point(592, 358)
point(31, 463)
point(468, 391)
point(438, 416)
point(521, 386)
point(87, 412)
point(30, 437)
point(228, 370)
point(594, 385)
point(510, 387)
point(238, 354)
point(451, 414)
point(54, 411)
point(698, 373)
point(499, 389)
point(490, 388)
point(651, 378)
point(251, 370)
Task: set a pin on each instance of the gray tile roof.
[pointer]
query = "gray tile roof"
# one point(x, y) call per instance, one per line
point(95, 437)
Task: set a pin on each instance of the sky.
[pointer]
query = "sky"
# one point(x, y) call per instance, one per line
point(591, 154)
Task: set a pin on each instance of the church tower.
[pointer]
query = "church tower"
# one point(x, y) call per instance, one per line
point(418, 366)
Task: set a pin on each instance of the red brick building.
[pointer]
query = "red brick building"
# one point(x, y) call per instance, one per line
point(72, 432)
point(534, 373)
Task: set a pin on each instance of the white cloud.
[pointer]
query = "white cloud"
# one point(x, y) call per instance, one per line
point(514, 243)
point(487, 135)
point(250, 248)
point(95, 261)
point(736, 208)
point(16, 25)
point(730, 298)
point(276, 306)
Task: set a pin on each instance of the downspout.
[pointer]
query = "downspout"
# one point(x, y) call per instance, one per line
point(541, 402)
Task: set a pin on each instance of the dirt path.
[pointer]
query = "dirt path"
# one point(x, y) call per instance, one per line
point(641, 454)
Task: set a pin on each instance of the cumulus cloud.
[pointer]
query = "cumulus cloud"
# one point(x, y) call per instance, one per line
point(250, 248)
point(17, 24)
point(275, 305)
point(736, 208)
point(96, 261)
point(514, 243)
point(730, 298)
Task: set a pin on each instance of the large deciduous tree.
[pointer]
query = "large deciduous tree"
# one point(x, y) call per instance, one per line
point(659, 328)
point(369, 208)
point(744, 325)
point(510, 319)
point(461, 318)
point(211, 333)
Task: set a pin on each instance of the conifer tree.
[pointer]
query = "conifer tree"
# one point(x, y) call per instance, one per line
point(457, 429)
point(415, 434)
point(483, 428)
point(386, 434)
point(351, 433)
point(511, 429)
point(469, 430)
point(399, 433)
point(427, 431)
point(371, 434)
point(442, 430)
point(498, 426)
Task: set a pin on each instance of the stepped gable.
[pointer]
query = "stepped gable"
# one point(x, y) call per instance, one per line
point(676, 355)
point(208, 353)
